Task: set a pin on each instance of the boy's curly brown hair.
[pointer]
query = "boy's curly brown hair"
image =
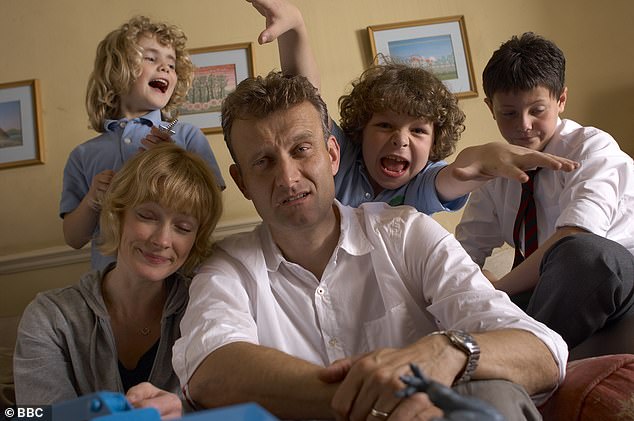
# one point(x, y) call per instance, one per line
point(405, 90)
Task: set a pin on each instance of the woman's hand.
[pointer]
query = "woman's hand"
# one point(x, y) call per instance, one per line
point(146, 395)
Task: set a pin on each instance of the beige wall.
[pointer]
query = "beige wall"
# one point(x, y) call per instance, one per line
point(54, 41)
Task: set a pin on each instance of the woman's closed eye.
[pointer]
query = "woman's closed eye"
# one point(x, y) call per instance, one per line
point(145, 215)
point(184, 228)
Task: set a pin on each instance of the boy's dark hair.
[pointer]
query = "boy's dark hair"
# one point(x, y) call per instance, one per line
point(406, 90)
point(524, 63)
point(259, 97)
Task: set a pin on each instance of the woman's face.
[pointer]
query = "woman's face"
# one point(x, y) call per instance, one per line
point(155, 241)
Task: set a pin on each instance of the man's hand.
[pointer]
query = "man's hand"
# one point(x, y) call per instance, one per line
point(281, 17)
point(98, 188)
point(146, 395)
point(454, 406)
point(371, 381)
point(498, 159)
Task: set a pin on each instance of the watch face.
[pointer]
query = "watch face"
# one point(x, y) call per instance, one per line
point(469, 346)
point(463, 340)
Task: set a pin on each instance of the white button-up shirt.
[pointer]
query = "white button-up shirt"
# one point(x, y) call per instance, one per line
point(395, 276)
point(598, 197)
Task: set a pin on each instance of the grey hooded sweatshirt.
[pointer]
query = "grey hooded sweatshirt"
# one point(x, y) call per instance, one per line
point(65, 347)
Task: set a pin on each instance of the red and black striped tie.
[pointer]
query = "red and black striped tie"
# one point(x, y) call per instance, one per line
point(526, 214)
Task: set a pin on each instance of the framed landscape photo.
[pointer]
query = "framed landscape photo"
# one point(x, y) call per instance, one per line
point(21, 140)
point(218, 70)
point(439, 45)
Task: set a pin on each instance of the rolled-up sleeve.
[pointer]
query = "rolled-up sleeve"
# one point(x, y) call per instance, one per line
point(219, 312)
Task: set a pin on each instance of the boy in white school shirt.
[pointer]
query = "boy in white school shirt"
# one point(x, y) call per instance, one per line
point(580, 277)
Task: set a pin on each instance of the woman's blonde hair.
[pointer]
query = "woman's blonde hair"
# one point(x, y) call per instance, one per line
point(118, 65)
point(175, 179)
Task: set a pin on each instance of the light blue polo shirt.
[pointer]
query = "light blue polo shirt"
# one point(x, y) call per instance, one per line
point(353, 187)
point(119, 142)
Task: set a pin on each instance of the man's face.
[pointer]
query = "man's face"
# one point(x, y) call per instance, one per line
point(527, 118)
point(286, 168)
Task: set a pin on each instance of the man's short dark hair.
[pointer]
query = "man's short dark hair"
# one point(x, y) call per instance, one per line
point(259, 97)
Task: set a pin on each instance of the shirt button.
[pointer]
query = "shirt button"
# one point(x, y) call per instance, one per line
point(321, 291)
point(367, 195)
point(332, 342)
point(122, 124)
point(127, 140)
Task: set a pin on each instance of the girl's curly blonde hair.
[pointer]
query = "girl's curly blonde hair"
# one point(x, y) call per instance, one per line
point(405, 90)
point(118, 64)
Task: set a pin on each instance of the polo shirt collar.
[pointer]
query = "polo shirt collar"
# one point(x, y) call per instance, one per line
point(152, 118)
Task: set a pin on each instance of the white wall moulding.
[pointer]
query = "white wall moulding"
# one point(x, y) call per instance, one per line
point(64, 255)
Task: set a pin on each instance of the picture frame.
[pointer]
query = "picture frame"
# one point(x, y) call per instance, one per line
point(21, 141)
point(439, 45)
point(218, 70)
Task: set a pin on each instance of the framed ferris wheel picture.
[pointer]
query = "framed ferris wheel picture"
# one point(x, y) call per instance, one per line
point(438, 45)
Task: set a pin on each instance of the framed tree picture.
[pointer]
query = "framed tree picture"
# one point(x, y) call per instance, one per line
point(218, 70)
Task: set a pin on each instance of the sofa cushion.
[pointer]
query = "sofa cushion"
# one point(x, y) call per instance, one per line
point(598, 388)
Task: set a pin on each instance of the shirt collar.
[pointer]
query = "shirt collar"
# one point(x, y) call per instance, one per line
point(152, 118)
point(352, 238)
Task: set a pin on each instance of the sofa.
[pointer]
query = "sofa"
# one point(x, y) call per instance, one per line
point(599, 385)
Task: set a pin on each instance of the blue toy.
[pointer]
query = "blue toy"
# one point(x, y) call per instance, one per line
point(455, 407)
point(110, 406)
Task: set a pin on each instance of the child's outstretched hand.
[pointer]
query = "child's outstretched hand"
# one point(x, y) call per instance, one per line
point(498, 159)
point(281, 17)
point(155, 137)
point(98, 187)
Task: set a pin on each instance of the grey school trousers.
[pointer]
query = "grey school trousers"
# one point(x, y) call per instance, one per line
point(586, 282)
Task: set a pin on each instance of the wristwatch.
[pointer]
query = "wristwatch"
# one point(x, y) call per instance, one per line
point(467, 344)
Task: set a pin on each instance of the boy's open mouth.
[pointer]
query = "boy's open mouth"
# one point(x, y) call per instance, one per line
point(393, 165)
point(160, 84)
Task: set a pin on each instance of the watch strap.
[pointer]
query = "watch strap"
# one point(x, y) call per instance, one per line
point(466, 343)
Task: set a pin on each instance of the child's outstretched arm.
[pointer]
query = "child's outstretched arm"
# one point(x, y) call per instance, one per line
point(475, 165)
point(285, 23)
point(79, 224)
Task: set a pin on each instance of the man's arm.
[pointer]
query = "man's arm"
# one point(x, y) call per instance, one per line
point(239, 372)
point(525, 275)
point(476, 165)
point(371, 381)
point(285, 23)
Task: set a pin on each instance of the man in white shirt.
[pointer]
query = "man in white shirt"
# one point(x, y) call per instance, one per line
point(319, 310)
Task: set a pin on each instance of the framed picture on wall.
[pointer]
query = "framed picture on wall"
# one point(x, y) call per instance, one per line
point(21, 140)
point(218, 70)
point(439, 45)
